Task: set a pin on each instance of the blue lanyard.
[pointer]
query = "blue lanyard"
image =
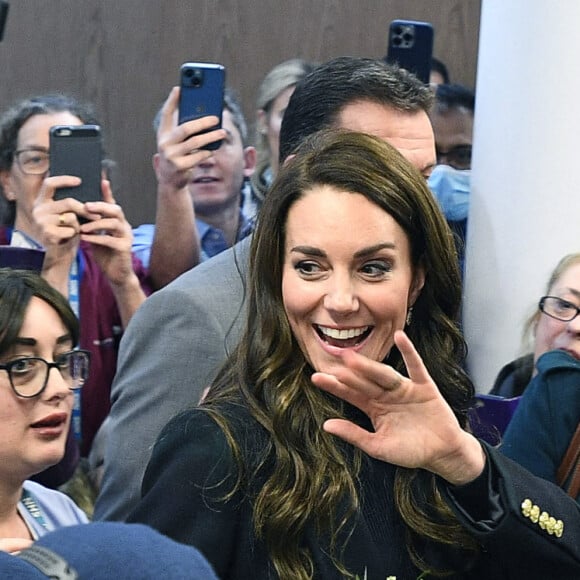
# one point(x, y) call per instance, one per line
point(74, 284)
point(32, 507)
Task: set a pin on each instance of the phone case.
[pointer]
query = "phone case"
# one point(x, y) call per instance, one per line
point(77, 150)
point(202, 93)
point(411, 46)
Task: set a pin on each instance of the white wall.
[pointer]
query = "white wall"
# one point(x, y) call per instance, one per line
point(525, 201)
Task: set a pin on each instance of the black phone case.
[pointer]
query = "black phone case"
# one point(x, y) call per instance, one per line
point(202, 93)
point(77, 150)
point(411, 46)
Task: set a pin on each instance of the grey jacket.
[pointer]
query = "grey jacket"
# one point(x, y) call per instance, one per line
point(170, 352)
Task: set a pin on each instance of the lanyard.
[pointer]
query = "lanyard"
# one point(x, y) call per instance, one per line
point(46, 561)
point(32, 507)
point(74, 282)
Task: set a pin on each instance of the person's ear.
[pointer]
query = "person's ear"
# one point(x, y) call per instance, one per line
point(291, 156)
point(7, 186)
point(416, 285)
point(250, 160)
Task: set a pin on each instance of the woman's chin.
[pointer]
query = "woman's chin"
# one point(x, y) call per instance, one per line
point(48, 459)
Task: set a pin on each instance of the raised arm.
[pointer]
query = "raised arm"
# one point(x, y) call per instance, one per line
point(176, 245)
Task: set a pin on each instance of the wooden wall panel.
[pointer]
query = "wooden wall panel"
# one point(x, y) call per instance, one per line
point(124, 55)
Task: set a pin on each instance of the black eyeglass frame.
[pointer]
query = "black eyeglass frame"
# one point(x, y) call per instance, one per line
point(49, 365)
point(565, 303)
point(18, 152)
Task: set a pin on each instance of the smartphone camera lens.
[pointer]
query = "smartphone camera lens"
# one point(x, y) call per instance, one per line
point(193, 77)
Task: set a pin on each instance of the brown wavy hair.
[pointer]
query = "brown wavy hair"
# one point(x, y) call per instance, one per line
point(314, 472)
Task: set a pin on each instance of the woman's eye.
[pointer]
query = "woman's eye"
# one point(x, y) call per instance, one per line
point(307, 267)
point(376, 269)
point(22, 365)
point(62, 360)
point(564, 305)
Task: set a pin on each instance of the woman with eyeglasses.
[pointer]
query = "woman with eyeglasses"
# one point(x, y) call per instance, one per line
point(552, 325)
point(39, 370)
point(549, 411)
point(88, 245)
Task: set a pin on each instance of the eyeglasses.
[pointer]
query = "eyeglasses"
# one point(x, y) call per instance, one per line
point(29, 375)
point(558, 308)
point(32, 161)
point(458, 157)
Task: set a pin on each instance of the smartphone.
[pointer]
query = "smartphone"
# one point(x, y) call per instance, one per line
point(202, 86)
point(77, 150)
point(410, 45)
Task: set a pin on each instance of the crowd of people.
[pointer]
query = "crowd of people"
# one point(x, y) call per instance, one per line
point(273, 373)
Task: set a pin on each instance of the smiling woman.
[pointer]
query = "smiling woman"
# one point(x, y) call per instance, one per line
point(39, 369)
point(347, 292)
point(332, 443)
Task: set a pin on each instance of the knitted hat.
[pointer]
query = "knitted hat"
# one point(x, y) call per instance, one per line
point(105, 550)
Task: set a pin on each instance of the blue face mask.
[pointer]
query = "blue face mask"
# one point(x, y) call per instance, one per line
point(451, 189)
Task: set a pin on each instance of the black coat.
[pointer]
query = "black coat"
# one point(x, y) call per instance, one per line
point(192, 468)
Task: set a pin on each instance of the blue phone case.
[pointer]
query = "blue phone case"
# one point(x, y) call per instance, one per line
point(202, 93)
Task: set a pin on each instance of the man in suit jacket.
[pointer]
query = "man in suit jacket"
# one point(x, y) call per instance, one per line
point(177, 341)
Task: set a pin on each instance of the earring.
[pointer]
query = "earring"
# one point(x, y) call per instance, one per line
point(409, 316)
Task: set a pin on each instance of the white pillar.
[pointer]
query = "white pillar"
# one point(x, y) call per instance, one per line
point(525, 199)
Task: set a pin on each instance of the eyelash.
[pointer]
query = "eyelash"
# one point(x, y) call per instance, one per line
point(382, 268)
point(379, 269)
point(307, 267)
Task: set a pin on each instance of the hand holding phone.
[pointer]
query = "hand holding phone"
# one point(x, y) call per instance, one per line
point(77, 150)
point(202, 87)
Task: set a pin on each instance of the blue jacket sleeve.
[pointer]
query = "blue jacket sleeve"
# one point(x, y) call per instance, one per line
point(547, 416)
